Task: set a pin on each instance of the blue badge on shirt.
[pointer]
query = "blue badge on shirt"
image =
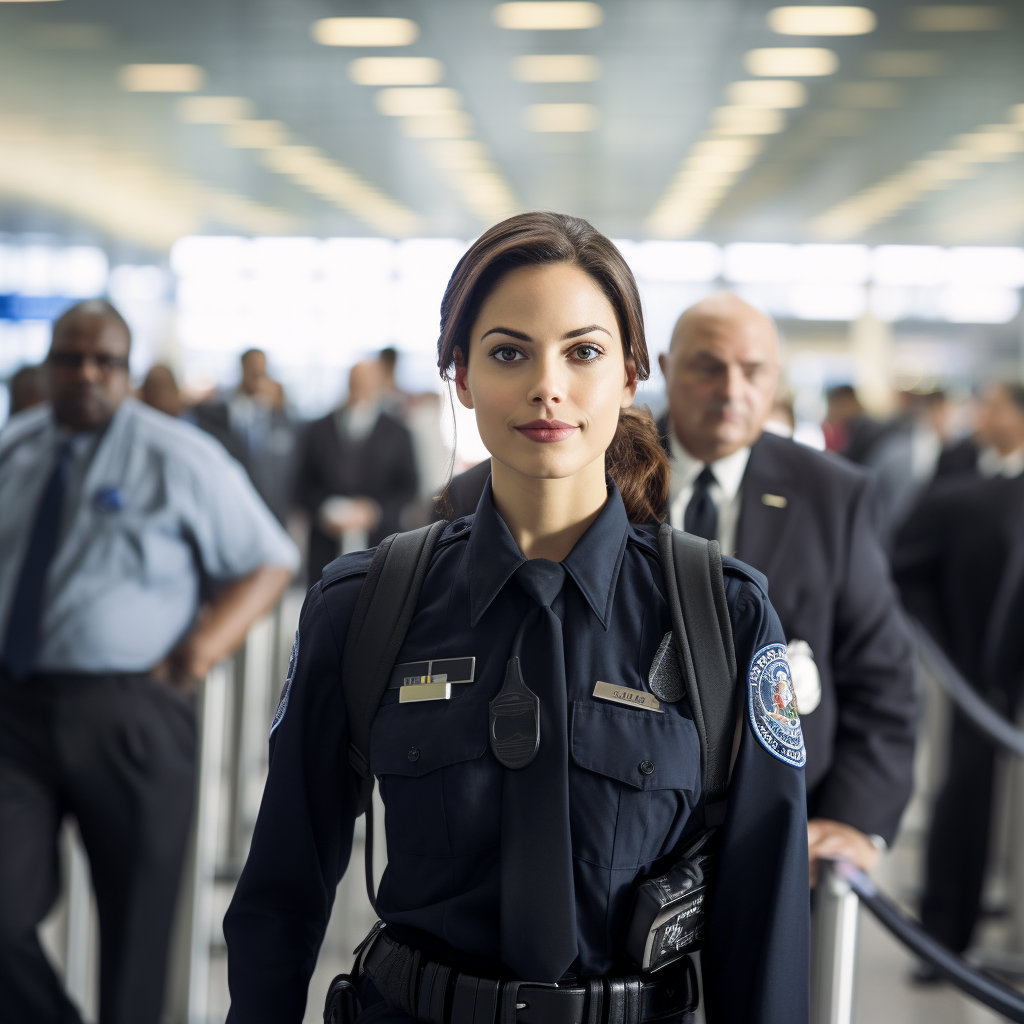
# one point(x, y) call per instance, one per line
point(108, 499)
point(773, 711)
point(282, 705)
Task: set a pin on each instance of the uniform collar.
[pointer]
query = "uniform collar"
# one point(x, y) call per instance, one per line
point(593, 563)
point(728, 470)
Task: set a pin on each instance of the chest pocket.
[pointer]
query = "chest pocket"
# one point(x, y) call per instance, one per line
point(633, 781)
point(439, 791)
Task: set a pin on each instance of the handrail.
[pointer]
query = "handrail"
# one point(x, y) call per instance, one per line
point(975, 983)
point(968, 701)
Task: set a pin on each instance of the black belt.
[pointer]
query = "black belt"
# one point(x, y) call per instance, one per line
point(438, 994)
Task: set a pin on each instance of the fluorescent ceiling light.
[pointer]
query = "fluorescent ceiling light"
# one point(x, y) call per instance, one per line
point(561, 117)
point(365, 31)
point(827, 301)
point(161, 78)
point(564, 67)
point(417, 102)
point(800, 61)
point(255, 134)
point(780, 94)
point(822, 21)
point(978, 305)
point(727, 147)
point(838, 264)
point(396, 71)
point(458, 154)
point(760, 262)
point(677, 261)
point(991, 142)
point(747, 121)
point(995, 266)
point(955, 18)
point(451, 125)
point(922, 265)
point(904, 64)
point(213, 109)
point(717, 162)
point(548, 14)
point(867, 95)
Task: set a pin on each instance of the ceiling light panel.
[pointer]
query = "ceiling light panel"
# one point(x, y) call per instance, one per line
point(822, 21)
point(780, 94)
point(561, 117)
point(796, 61)
point(417, 102)
point(365, 31)
point(564, 67)
point(747, 121)
point(161, 78)
point(396, 71)
point(548, 15)
point(213, 109)
point(955, 18)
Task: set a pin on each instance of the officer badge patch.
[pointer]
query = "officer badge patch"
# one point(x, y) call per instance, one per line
point(773, 710)
point(286, 690)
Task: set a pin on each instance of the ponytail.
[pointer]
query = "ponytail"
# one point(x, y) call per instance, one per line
point(638, 465)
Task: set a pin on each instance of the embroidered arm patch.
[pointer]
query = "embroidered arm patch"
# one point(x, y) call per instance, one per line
point(772, 703)
point(286, 690)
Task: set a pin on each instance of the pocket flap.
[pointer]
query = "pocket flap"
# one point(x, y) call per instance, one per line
point(410, 739)
point(640, 748)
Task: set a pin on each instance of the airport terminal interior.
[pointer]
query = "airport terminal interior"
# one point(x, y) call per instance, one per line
point(274, 195)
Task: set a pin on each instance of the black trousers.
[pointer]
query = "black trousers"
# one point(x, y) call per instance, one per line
point(958, 840)
point(117, 752)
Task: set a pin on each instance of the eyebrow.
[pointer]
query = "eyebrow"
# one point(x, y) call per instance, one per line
point(578, 333)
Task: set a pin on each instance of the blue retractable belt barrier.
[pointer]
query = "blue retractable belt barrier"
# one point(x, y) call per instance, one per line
point(968, 701)
point(975, 983)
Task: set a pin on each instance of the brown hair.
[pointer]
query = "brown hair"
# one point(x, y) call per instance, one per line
point(635, 459)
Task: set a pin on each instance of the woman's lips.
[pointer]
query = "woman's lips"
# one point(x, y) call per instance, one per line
point(547, 430)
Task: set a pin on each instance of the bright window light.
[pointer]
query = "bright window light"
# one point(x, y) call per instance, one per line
point(676, 261)
point(781, 94)
point(556, 67)
point(909, 265)
point(417, 102)
point(995, 266)
point(955, 18)
point(827, 301)
point(213, 109)
point(822, 21)
point(838, 264)
point(561, 117)
point(84, 271)
point(979, 305)
point(365, 31)
point(396, 71)
point(747, 121)
point(799, 61)
point(760, 262)
point(548, 14)
point(161, 78)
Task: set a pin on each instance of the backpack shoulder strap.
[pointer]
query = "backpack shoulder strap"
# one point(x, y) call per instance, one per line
point(695, 587)
point(379, 623)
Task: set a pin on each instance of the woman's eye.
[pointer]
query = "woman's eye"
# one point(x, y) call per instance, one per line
point(506, 354)
point(587, 353)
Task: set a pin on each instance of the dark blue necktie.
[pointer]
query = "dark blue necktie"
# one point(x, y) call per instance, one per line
point(22, 640)
point(538, 905)
point(701, 517)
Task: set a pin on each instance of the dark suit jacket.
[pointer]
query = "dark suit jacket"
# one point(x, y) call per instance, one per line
point(829, 583)
point(957, 560)
point(382, 467)
point(959, 457)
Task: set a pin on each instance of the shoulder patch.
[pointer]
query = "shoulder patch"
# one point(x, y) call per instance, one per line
point(282, 704)
point(772, 703)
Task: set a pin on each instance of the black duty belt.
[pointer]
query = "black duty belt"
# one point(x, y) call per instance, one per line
point(438, 994)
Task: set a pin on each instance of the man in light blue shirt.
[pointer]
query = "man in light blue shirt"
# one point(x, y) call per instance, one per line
point(134, 554)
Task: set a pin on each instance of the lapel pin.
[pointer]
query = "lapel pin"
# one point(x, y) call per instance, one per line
point(775, 500)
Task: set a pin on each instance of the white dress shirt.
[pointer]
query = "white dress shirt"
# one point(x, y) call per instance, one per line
point(991, 463)
point(725, 492)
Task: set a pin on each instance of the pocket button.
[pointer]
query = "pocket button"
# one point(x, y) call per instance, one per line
point(647, 767)
point(414, 754)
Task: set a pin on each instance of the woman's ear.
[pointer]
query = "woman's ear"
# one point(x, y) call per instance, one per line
point(461, 385)
point(629, 384)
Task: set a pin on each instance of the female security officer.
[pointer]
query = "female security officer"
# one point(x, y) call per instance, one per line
point(529, 874)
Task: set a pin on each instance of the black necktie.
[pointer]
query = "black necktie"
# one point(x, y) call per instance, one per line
point(22, 640)
point(701, 517)
point(538, 907)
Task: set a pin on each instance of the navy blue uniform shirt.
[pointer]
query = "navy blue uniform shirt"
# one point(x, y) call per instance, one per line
point(443, 810)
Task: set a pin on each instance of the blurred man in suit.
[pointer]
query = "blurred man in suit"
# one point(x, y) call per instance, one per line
point(959, 563)
point(994, 448)
point(804, 520)
point(358, 472)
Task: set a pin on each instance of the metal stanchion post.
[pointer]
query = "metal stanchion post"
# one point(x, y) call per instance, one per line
point(833, 948)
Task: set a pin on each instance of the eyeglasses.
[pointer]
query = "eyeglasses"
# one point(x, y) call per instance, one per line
point(76, 360)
